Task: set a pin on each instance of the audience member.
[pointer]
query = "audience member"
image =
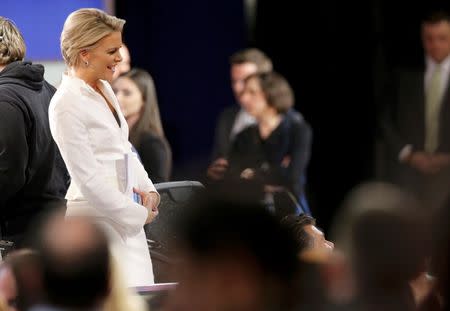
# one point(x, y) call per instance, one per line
point(235, 256)
point(275, 151)
point(314, 253)
point(136, 93)
point(311, 242)
point(416, 126)
point(33, 177)
point(75, 264)
point(125, 65)
point(26, 271)
point(383, 235)
point(8, 288)
point(234, 119)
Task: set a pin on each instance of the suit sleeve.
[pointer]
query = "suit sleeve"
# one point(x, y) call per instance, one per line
point(13, 151)
point(72, 137)
point(222, 136)
point(386, 128)
point(300, 156)
point(293, 176)
point(243, 153)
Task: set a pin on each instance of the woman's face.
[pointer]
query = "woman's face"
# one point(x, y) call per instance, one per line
point(253, 99)
point(104, 57)
point(129, 96)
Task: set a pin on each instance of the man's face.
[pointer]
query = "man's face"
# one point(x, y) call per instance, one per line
point(320, 244)
point(436, 40)
point(239, 72)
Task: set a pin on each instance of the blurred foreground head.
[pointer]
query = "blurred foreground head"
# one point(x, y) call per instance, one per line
point(383, 233)
point(20, 275)
point(236, 256)
point(75, 262)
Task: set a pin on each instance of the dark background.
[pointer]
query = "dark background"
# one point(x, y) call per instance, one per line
point(335, 54)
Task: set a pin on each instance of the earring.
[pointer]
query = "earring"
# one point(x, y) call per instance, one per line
point(86, 63)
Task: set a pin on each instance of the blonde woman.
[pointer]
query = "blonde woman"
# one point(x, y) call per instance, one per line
point(108, 182)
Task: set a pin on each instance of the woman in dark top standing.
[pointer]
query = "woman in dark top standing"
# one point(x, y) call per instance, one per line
point(276, 150)
point(136, 93)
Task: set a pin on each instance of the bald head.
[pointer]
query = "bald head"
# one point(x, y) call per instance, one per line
point(75, 262)
point(68, 239)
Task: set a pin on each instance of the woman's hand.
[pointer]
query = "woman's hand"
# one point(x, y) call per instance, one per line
point(150, 201)
point(248, 173)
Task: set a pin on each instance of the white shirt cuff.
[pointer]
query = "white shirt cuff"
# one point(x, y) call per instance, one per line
point(405, 152)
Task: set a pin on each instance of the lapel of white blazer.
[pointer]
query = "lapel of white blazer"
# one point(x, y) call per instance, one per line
point(109, 93)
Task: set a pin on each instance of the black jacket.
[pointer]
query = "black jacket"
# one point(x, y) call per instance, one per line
point(403, 118)
point(33, 176)
point(156, 157)
point(280, 159)
point(222, 141)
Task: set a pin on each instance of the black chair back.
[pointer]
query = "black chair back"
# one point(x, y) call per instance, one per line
point(174, 196)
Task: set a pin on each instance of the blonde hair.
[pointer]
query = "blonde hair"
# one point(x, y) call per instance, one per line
point(121, 297)
point(12, 45)
point(83, 29)
point(3, 305)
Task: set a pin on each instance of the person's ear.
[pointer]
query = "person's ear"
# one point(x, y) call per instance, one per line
point(84, 57)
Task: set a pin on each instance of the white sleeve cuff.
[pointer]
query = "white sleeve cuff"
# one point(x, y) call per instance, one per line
point(405, 152)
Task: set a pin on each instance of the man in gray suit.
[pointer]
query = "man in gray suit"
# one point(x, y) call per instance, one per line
point(417, 124)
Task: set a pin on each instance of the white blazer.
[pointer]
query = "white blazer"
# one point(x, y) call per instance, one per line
point(93, 147)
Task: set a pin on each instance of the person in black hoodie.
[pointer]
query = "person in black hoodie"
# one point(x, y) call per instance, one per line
point(33, 177)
